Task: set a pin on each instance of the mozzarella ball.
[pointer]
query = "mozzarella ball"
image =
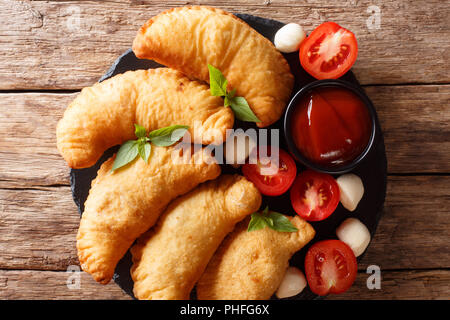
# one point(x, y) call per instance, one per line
point(288, 38)
point(352, 190)
point(355, 234)
point(293, 283)
point(238, 147)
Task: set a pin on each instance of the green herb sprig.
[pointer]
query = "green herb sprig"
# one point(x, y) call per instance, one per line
point(271, 219)
point(218, 87)
point(142, 145)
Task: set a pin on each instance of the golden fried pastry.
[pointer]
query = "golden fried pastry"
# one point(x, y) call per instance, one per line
point(170, 258)
point(103, 115)
point(251, 265)
point(190, 38)
point(125, 203)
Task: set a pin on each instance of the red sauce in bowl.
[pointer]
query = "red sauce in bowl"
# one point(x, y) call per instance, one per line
point(331, 126)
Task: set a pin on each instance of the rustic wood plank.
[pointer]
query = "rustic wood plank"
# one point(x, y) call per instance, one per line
point(414, 119)
point(70, 44)
point(28, 139)
point(404, 285)
point(38, 227)
point(54, 285)
point(414, 230)
point(21, 284)
point(416, 125)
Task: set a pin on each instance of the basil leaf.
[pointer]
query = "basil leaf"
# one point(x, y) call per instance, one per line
point(167, 136)
point(226, 102)
point(242, 110)
point(144, 150)
point(257, 222)
point(281, 223)
point(265, 215)
point(218, 87)
point(273, 220)
point(217, 82)
point(269, 222)
point(140, 131)
point(127, 153)
point(229, 97)
point(231, 94)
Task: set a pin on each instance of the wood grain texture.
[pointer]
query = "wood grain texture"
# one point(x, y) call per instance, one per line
point(68, 45)
point(415, 122)
point(22, 284)
point(38, 227)
point(414, 230)
point(51, 285)
point(416, 125)
point(28, 154)
point(406, 285)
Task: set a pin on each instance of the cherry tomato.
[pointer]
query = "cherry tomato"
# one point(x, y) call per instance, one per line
point(329, 51)
point(314, 195)
point(271, 180)
point(330, 267)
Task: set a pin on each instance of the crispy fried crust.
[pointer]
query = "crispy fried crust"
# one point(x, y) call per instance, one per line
point(190, 38)
point(251, 265)
point(125, 203)
point(103, 115)
point(170, 258)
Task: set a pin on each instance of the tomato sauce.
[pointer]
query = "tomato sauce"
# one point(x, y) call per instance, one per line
point(331, 126)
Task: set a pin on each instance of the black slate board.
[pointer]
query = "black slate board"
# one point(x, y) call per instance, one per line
point(373, 170)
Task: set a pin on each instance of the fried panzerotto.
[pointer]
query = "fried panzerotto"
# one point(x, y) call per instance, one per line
point(251, 265)
point(125, 203)
point(170, 258)
point(190, 38)
point(103, 115)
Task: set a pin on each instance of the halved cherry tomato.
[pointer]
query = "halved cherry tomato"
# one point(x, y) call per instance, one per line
point(271, 180)
point(314, 195)
point(329, 51)
point(330, 267)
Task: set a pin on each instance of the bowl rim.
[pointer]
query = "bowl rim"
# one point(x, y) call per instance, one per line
point(287, 125)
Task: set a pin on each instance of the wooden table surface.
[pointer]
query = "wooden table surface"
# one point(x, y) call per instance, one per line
point(51, 49)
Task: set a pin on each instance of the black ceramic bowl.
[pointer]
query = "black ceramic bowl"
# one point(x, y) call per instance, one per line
point(288, 126)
